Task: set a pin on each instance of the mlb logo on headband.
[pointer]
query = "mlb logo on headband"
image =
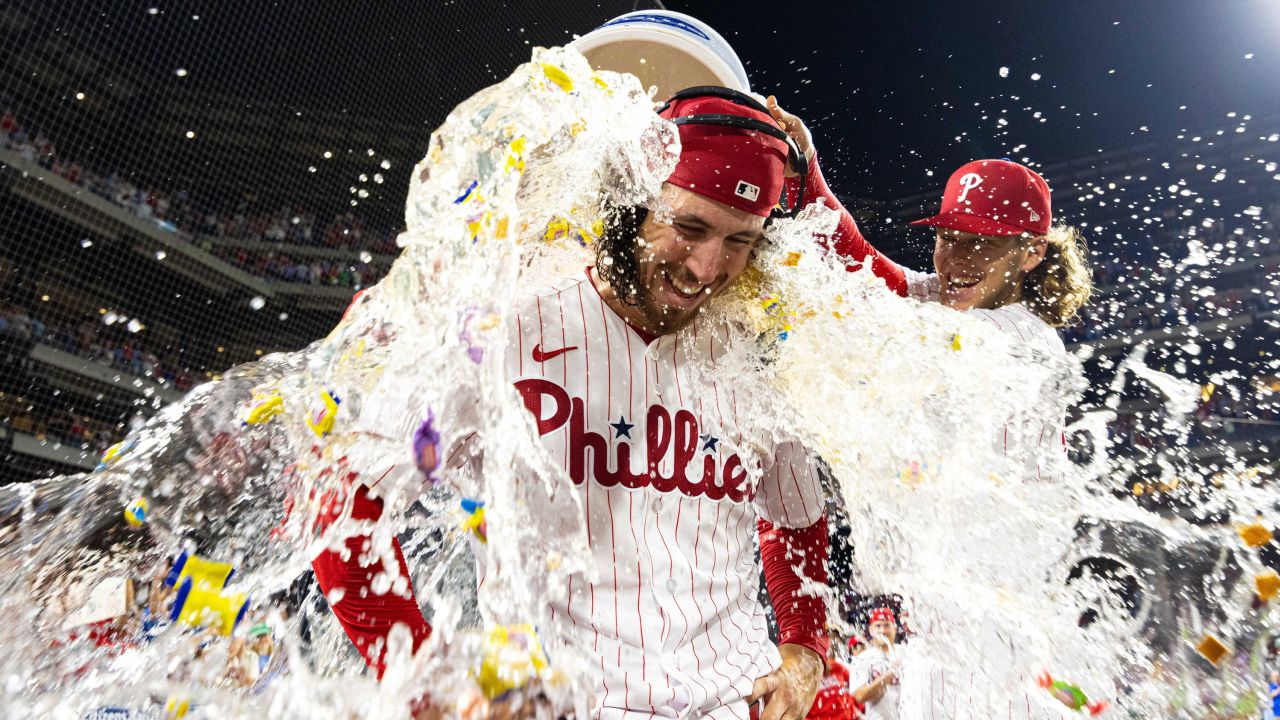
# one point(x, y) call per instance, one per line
point(726, 132)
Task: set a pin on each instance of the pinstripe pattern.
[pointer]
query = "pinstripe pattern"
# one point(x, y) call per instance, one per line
point(1040, 442)
point(673, 614)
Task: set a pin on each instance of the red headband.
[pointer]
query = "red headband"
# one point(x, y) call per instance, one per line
point(740, 168)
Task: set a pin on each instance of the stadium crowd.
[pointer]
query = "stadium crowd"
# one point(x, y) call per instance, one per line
point(247, 220)
point(293, 269)
point(89, 341)
point(1136, 294)
point(37, 412)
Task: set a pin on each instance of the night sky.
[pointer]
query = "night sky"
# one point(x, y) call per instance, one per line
point(897, 93)
point(895, 90)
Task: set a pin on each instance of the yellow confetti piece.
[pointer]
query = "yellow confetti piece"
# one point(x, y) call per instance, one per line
point(135, 513)
point(114, 452)
point(267, 407)
point(512, 657)
point(558, 76)
point(792, 259)
point(475, 525)
point(1211, 649)
point(1206, 392)
point(1267, 584)
point(556, 229)
point(955, 342)
point(321, 421)
point(912, 475)
point(1255, 535)
point(177, 707)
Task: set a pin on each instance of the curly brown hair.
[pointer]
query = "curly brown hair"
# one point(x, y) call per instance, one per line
point(1061, 284)
point(617, 262)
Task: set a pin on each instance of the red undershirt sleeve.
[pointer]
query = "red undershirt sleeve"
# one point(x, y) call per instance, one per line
point(366, 616)
point(802, 617)
point(847, 241)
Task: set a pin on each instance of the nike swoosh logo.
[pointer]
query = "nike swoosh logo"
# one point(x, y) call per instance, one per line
point(540, 356)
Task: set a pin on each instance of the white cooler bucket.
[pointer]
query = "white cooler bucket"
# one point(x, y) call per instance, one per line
point(669, 50)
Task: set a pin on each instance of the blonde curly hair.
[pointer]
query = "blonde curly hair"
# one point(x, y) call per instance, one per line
point(1061, 284)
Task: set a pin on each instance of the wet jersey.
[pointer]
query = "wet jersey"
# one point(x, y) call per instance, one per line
point(674, 486)
point(1039, 442)
point(865, 669)
point(670, 509)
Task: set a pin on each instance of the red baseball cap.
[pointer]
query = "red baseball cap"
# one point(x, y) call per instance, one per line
point(883, 613)
point(994, 197)
point(738, 167)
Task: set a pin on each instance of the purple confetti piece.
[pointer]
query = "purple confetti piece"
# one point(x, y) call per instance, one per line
point(425, 437)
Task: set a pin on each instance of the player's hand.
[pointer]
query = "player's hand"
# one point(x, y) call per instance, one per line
point(788, 692)
point(794, 127)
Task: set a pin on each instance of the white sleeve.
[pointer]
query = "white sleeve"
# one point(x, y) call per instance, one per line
point(789, 494)
point(858, 671)
point(925, 287)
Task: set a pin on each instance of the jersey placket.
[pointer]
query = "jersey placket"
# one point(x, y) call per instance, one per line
point(670, 587)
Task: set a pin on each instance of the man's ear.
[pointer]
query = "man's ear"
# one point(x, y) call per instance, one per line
point(1039, 245)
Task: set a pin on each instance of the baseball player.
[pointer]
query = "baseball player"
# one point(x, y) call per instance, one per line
point(873, 673)
point(997, 256)
point(671, 511)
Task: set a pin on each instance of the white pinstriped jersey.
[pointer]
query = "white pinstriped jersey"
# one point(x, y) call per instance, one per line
point(670, 510)
point(1040, 442)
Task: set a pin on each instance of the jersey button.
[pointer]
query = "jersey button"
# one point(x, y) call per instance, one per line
point(671, 586)
point(656, 505)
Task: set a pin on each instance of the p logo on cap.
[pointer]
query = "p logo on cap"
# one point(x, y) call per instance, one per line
point(968, 181)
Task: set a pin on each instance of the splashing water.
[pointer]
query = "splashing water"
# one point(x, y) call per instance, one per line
point(902, 400)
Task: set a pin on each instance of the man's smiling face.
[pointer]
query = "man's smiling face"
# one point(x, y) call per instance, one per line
point(690, 250)
point(983, 271)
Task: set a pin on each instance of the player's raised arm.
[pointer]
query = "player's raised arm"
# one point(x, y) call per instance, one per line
point(847, 240)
